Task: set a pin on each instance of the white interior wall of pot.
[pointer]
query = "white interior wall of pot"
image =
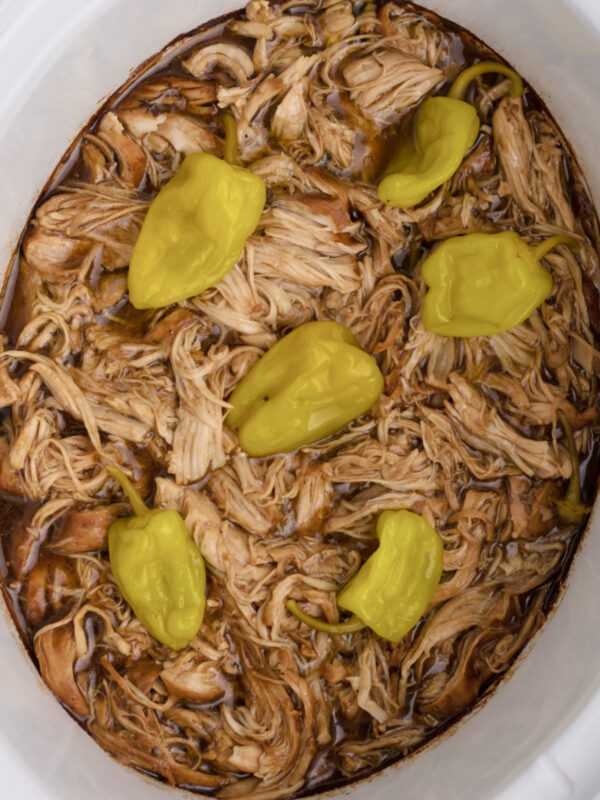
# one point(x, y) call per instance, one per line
point(537, 737)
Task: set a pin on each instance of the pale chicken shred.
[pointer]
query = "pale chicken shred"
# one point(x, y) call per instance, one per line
point(466, 432)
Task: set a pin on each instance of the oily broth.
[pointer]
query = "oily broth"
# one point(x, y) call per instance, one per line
point(325, 771)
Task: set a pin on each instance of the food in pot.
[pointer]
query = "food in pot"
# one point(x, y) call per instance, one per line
point(291, 467)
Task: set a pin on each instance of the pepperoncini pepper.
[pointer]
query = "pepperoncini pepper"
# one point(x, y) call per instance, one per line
point(446, 128)
point(393, 588)
point(196, 228)
point(485, 283)
point(571, 508)
point(158, 568)
point(306, 387)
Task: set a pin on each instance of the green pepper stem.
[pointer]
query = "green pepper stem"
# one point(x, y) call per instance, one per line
point(548, 244)
point(459, 88)
point(137, 504)
point(571, 507)
point(350, 626)
point(231, 142)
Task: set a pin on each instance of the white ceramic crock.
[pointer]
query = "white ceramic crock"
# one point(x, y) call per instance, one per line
point(538, 738)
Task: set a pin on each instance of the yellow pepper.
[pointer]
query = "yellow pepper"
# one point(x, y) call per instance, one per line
point(484, 283)
point(391, 591)
point(446, 128)
point(195, 229)
point(306, 387)
point(158, 568)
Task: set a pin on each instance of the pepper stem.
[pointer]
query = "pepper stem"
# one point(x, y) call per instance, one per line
point(231, 142)
point(137, 504)
point(350, 626)
point(571, 508)
point(459, 88)
point(548, 244)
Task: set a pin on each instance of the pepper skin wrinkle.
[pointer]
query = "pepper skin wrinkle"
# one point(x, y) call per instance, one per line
point(306, 387)
point(159, 569)
point(194, 231)
point(391, 591)
point(485, 283)
point(446, 129)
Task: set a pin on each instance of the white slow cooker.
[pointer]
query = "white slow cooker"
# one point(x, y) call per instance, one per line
point(538, 737)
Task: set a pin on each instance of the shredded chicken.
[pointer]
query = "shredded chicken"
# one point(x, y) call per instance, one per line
point(466, 433)
point(387, 81)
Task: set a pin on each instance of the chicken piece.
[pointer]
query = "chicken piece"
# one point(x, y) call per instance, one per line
point(515, 144)
point(238, 507)
point(251, 29)
point(330, 135)
point(199, 440)
point(132, 159)
point(172, 93)
point(261, 11)
point(386, 82)
point(83, 531)
point(228, 57)
point(243, 758)
point(143, 674)
point(164, 332)
point(414, 36)
point(224, 547)
point(56, 652)
point(585, 354)
point(315, 498)
point(10, 480)
point(549, 163)
point(204, 521)
point(284, 736)
point(475, 417)
point(267, 90)
point(442, 226)
point(369, 502)
point(183, 133)
point(196, 444)
point(462, 688)
point(334, 671)
point(291, 115)
point(140, 751)
point(50, 584)
point(319, 238)
point(533, 165)
point(481, 161)
point(129, 391)
point(372, 695)
point(477, 522)
point(67, 394)
point(69, 223)
point(382, 219)
point(369, 461)
point(52, 253)
point(111, 288)
point(337, 19)
point(95, 159)
point(188, 136)
point(532, 508)
point(478, 606)
point(194, 679)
